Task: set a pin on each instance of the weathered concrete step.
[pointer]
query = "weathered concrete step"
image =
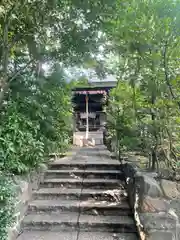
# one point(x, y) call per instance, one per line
point(103, 192)
point(88, 164)
point(109, 208)
point(57, 193)
point(44, 235)
point(54, 206)
point(107, 236)
point(107, 223)
point(113, 195)
point(75, 183)
point(51, 222)
point(102, 154)
point(76, 173)
point(98, 183)
point(69, 222)
point(78, 193)
point(39, 235)
point(62, 182)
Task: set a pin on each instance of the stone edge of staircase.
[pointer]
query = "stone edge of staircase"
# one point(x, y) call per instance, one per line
point(154, 219)
point(25, 185)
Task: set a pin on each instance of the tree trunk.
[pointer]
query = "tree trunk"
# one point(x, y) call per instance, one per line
point(154, 132)
point(167, 80)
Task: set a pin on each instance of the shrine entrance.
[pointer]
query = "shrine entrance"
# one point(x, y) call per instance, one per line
point(93, 121)
point(90, 111)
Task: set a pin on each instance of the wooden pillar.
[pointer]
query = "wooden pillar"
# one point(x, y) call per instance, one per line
point(87, 116)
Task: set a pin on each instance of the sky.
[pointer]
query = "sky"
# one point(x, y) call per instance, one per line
point(76, 73)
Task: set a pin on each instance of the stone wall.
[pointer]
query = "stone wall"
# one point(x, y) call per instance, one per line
point(156, 204)
point(24, 185)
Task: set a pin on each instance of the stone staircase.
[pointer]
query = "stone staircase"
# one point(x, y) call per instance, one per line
point(81, 198)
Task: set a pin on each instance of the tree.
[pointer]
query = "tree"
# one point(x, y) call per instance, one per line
point(33, 32)
point(145, 37)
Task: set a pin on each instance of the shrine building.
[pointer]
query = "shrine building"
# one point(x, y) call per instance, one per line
point(89, 105)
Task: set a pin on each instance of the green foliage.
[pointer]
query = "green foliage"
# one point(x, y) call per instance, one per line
point(81, 82)
point(144, 37)
point(35, 123)
point(121, 117)
point(7, 202)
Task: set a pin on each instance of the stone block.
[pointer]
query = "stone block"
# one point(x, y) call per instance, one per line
point(158, 216)
point(158, 221)
point(25, 191)
point(161, 235)
point(175, 207)
point(178, 231)
point(24, 186)
point(148, 186)
point(153, 205)
point(170, 189)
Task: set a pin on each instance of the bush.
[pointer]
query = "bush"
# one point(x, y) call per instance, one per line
point(19, 150)
point(35, 121)
point(7, 205)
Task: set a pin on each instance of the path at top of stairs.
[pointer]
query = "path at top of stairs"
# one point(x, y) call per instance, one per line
point(81, 198)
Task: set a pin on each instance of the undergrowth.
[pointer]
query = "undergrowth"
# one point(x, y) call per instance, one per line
point(7, 204)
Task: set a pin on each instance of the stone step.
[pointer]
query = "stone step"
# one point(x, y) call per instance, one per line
point(81, 198)
point(86, 223)
point(44, 235)
point(106, 174)
point(39, 235)
point(106, 236)
point(65, 222)
point(89, 193)
point(86, 183)
point(57, 193)
point(78, 193)
point(106, 223)
point(111, 208)
point(84, 164)
point(90, 206)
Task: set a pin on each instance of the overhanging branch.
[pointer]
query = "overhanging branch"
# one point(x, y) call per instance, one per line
point(167, 80)
point(4, 84)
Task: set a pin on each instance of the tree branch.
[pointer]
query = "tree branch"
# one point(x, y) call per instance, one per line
point(4, 84)
point(167, 80)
